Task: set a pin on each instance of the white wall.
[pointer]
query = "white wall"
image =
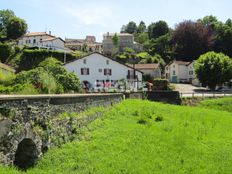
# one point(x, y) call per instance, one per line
point(56, 44)
point(95, 62)
point(23, 40)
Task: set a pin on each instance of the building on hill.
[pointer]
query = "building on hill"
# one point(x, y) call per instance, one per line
point(99, 72)
point(88, 44)
point(43, 40)
point(5, 69)
point(152, 69)
point(126, 40)
point(181, 72)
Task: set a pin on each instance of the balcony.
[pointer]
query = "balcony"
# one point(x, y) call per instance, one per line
point(132, 77)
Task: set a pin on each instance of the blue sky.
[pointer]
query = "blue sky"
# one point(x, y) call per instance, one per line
point(78, 18)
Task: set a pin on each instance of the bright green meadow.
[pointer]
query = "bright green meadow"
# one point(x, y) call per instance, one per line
point(142, 137)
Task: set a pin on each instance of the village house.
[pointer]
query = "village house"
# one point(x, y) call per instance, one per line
point(126, 40)
point(5, 69)
point(181, 72)
point(88, 44)
point(151, 69)
point(43, 40)
point(98, 72)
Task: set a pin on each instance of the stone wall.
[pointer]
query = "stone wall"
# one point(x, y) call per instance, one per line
point(32, 123)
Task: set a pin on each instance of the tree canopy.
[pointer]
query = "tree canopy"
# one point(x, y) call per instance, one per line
point(213, 69)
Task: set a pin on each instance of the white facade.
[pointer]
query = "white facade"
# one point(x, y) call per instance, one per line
point(42, 40)
point(180, 71)
point(100, 72)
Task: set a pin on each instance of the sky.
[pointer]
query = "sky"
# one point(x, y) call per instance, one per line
point(78, 18)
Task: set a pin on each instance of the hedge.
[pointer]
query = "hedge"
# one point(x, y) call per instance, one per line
point(160, 84)
point(31, 58)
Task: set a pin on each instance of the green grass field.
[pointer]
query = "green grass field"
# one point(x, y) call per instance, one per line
point(142, 137)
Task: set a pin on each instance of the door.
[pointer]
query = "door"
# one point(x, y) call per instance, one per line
point(174, 79)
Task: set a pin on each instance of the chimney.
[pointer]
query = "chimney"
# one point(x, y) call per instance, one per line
point(50, 33)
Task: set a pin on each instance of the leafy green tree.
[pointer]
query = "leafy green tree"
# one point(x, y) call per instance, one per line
point(157, 29)
point(191, 39)
point(141, 27)
point(16, 28)
point(6, 51)
point(11, 26)
point(213, 69)
point(141, 37)
point(115, 40)
point(131, 28)
point(5, 17)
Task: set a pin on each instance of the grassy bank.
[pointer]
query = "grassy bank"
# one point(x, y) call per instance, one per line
point(142, 137)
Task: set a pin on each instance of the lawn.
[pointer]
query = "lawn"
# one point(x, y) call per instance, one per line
point(224, 104)
point(142, 137)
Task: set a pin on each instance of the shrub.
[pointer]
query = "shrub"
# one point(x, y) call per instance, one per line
point(6, 78)
point(159, 119)
point(160, 84)
point(142, 121)
point(6, 51)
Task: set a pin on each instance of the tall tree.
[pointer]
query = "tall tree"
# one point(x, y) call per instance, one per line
point(16, 28)
point(192, 39)
point(131, 27)
point(11, 26)
point(141, 27)
point(157, 29)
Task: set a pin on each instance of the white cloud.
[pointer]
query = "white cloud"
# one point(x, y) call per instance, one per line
point(92, 16)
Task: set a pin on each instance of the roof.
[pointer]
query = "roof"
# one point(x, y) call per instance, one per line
point(179, 62)
point(105, 57)
point(119, 34)
point(145, 66)
point(6, 67)
point(36, 34)
point(52, 38)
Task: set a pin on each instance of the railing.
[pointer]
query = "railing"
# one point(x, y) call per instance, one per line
point(206, 94)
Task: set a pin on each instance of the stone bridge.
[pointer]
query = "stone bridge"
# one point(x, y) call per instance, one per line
point(30, 125)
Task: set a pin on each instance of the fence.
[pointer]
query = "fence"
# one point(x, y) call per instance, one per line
point(206, 94)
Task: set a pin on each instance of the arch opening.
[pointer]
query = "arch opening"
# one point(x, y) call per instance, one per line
point(26, 154)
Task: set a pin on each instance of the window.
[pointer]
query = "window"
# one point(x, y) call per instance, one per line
point(173, 66)
point(107, 72)
point(190, 72)
point(100, 70)
point(34, 40)
point(174, 73)
point(107, 62)
point(84, 71)
point(40, 40)
point(166, 68)
point(84, 61)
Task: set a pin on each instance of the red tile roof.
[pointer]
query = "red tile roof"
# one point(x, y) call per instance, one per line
point(36, 34)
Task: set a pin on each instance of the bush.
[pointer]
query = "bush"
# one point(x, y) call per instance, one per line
point(6, 51)
point(6, 78)
point(160, 84)
point(41, 79)
point(18, 89)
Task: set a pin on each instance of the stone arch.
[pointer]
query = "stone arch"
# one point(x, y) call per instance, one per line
point(26, 154)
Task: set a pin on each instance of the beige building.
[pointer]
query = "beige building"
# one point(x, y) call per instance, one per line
point(126, 40)
point(42, 40)
point(88, 44)
point(152, 69)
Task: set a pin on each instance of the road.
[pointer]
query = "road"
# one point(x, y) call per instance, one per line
point(188, 90)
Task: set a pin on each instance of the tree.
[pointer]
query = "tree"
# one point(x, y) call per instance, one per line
point(213, 69)
point(115, 40)
point(11, 26)
point(142, 27)
point(16, 28)
point(192, 39)
point(157, 29)
point(141, 37)
point(5, 16)
point(131, 28)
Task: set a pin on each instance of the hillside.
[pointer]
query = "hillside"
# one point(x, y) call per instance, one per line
point(145, 137)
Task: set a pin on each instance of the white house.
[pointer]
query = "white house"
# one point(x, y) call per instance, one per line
point(97, 71)
point(43, 40)
point(181, 71)
point(152, 69)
